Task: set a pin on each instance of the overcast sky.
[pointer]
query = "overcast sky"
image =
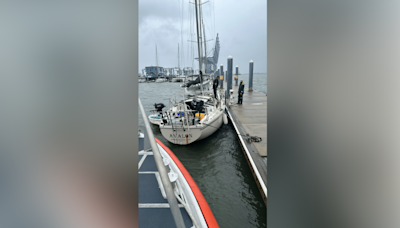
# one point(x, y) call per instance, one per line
point(241, 25)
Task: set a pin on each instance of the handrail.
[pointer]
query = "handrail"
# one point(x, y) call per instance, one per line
point(176, 212)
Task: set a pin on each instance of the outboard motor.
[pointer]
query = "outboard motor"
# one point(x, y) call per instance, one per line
point(159, 107)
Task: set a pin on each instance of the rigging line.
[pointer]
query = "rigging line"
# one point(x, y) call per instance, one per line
point(214, 16)
point(191, 30)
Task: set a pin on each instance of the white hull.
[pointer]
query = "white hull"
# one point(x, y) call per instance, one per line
point(187, 135)
point(155, 119)
point(161, 80)
point(186, 190)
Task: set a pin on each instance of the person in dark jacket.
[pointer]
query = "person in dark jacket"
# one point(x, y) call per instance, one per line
point(215, 85)
point(201, 76)
point(240, 92)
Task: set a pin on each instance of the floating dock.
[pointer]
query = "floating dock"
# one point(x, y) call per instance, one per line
point(251, 118)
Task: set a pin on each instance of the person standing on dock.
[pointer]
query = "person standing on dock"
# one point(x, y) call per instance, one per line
point(240, 92)
point(215, 85)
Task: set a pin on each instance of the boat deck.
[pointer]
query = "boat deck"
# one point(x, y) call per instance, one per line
point(251, 118)
point(154, 209)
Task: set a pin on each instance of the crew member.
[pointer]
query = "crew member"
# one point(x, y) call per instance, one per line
point(201, 76)
point(240, 92)
point(215, 85)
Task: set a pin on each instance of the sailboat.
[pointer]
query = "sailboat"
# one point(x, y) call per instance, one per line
point(197, 116)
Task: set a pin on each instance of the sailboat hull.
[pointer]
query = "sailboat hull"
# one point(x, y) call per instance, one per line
point(186, 135)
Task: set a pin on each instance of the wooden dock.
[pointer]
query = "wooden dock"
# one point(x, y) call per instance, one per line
point(251, 118)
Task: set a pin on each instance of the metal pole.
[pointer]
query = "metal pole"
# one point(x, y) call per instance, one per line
point(251, 75)
point(229, 77)
point(200, 53)
point(221, 78)
point(176, 212)
point(199, 47)
point(237, 75)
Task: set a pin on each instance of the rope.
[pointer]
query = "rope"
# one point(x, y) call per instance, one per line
point(250, 138)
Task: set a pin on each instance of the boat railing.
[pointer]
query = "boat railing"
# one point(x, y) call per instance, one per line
point(187, 114)
point(172, 100)
point(176, 213)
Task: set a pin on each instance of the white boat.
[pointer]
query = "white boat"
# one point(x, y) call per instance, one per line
point(168, 195)
point(194, 119)
point(198, 116)
point(156, 118)
point(161, 80)
point(154, 209)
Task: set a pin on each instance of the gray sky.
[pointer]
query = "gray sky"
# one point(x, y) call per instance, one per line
point(241, 25)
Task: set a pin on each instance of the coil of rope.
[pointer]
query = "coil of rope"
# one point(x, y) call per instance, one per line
point(250, 138)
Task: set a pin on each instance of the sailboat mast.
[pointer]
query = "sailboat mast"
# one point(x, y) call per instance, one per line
point(199, 45)
point(205, 47)
point(199, 42)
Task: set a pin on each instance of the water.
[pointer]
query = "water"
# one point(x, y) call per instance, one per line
point(259, 81)
point(217, 163)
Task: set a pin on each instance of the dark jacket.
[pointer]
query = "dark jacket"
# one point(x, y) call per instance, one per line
point(215, 83)
point(201, 76)
point(241, 89)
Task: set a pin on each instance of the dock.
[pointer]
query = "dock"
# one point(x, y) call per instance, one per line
point(251, 118)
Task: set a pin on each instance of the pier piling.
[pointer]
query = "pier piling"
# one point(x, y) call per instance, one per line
point(229, 76)
point(251, 75)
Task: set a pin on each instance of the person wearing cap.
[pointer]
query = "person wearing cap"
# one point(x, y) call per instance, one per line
point(240, 92)
point(215, 85)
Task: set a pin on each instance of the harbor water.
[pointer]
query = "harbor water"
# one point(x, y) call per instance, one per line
point(217, 163)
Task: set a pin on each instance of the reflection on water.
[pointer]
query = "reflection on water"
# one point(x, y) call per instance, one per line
point(216, 163)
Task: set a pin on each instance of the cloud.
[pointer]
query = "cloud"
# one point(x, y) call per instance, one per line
point(241, 25)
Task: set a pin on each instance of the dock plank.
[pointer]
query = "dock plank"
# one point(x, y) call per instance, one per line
point(252, 112)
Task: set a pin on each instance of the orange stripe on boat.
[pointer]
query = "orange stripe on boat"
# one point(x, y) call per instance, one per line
point(205, 209)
